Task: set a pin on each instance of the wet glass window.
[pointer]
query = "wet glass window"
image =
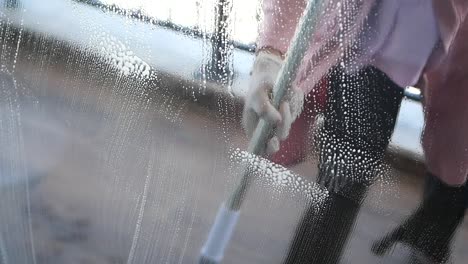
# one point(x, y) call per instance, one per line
point(233, 131)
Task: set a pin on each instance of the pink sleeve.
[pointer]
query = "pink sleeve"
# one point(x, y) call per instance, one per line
point(445, 140)
point(279, 23)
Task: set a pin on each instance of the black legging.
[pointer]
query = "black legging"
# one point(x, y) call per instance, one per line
point(360, 117)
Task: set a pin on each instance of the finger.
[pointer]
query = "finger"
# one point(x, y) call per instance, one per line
point(263, 107)
point(283, 128)
point(273, 146)
point(249, 121)
point(271, 114)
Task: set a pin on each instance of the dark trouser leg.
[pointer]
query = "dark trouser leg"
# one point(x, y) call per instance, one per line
point(431, 227)
point(359, 120)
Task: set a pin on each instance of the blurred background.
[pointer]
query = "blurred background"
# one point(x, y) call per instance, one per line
point(120, 135)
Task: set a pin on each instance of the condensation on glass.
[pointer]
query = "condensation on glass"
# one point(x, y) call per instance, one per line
point(122, 139)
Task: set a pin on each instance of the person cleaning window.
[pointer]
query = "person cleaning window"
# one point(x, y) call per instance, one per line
point(365, 51)
point(430, 229)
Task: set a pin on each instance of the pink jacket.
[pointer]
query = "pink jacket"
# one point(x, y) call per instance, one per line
point(445, 147)
point(445, 87)
point(346, 23)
